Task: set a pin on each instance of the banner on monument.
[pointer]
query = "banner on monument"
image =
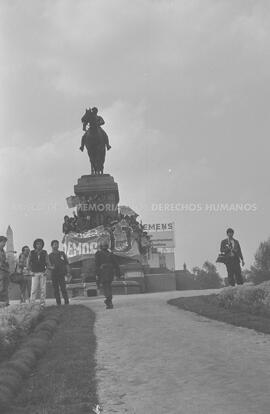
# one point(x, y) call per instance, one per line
point(72, 201)
point(82, 246)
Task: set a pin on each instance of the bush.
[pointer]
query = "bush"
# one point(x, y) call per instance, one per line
point(252, 299)
point(25, 355)
point(23, 360)
point(15, 323)
point(5, 396)
point(37, 345)
point(206, 277)
point(20, 366)
point(260, 271)
point(48, 325)
point(10, 378)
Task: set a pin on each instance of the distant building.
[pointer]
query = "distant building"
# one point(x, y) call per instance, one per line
point(162, 253)
point(10, 249)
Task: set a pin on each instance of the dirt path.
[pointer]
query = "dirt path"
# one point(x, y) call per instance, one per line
point(155, 358)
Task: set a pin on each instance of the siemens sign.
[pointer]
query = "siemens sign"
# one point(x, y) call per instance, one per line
point(158, 227)
point(162, 235)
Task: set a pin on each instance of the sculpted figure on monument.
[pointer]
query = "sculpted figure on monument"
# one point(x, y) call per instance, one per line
point(95, 140)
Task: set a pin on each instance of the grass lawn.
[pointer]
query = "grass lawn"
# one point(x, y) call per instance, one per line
point(209, 307)
point(64, 381)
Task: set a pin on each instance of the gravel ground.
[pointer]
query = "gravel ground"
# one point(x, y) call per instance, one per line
point(155, 358)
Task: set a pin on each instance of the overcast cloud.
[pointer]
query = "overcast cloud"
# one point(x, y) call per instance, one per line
point(184, 89)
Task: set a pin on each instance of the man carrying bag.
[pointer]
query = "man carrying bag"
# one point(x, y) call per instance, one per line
point(231, 255)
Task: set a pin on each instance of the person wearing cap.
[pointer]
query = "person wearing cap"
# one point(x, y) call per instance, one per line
point(38, 265)
point(60, 269)
point(230, 247)
point(4, 273)
point(106, 267)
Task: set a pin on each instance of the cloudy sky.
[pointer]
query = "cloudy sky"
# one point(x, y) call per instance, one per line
point(183, 87)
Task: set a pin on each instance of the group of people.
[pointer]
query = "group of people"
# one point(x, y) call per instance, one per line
point(73, 224)
point(33, 268)
point(143, 239)
point(127, 224)
point(36, 265)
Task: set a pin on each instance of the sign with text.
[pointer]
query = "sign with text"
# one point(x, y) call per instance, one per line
point(162, 234)
point(81, 246)
point(159, 227)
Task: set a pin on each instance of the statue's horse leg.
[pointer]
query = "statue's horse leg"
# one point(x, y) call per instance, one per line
point(101, 150)
point(94, 161)
point(91, 146)
point(91, 161)
point(102, 153)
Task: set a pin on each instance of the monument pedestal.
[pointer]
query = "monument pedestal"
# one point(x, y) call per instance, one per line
point(98, 198)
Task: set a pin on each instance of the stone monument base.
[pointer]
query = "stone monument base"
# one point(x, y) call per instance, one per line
point(98, 199)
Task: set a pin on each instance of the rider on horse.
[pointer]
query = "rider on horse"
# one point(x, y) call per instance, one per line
point(95, 140)
point(98, 122)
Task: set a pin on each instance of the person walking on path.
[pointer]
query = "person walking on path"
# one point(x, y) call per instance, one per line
point(4, 273)
point(106, 268)
point(60, 269)
point(25, 283)
point(230, 247)
point(38, 265)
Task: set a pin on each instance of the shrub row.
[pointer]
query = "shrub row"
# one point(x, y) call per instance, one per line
point(251, 299)
point(15, 324)
point(20, 365)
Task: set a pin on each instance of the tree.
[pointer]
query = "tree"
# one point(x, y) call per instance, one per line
point(207, 277)
point(185, 280)
point(260, 271)
point(247, 275)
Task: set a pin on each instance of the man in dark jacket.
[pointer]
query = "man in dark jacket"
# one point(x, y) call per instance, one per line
point(38, 265)
point(60, 269)
point(106, 268)
point(230, 247)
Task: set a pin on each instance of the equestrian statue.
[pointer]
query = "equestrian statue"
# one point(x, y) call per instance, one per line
point(95, 140)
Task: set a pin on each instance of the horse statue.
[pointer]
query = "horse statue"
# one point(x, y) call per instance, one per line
point(95, 140)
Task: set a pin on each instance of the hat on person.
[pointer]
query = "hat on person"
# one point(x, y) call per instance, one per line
point(230, 230)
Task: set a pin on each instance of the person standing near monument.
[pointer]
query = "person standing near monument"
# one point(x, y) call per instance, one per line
point(106, 267)
point(4, 272)
point(60, 269)
point(231, 249)
point(38, 264)
point(25, 283)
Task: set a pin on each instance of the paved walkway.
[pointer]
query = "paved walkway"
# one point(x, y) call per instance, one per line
point(155, 358)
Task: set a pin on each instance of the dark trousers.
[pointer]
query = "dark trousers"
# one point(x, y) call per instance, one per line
point(25, 286)
point(106, 276)
point(234, 272)
point(59, 282)
point(4, 282)
point(107, 290)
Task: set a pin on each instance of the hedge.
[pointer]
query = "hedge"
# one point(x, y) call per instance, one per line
point(19, 366)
